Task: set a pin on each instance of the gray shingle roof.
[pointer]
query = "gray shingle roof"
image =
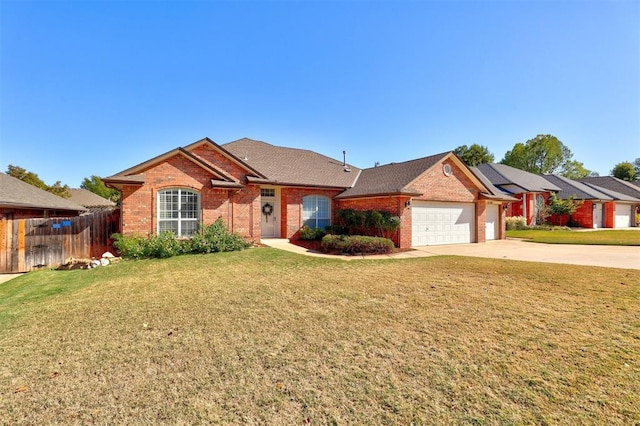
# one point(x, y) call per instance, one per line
point(15, 193)
point(87, 198)
point(586, 191)
point(571, 188)
point(502, 175)
point(614, 184)
point(391, 178)
point(494, 190)
point(293, 166)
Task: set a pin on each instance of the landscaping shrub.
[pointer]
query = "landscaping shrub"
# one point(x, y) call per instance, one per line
point(366, 222)
point(307, 233)
point(357, 244)
point(209, 239)
point(216, 238)
point(515, 223)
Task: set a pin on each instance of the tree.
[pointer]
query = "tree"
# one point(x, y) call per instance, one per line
point(575, 170)
point(627, 171)
point(97, 186)
point(542, 154)
point(25, 176)
point(33, 179)
point(474, 154)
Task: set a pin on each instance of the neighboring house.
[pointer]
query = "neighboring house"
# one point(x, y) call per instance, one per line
point(20, 200)
point(600, 208)
point(91, 201)
point(530, 189)
point(261, 190)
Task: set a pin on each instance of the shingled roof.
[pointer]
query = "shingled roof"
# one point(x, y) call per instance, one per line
point(392, 178)
point(584, 191)
point(15, 193)
point(89, 199)
point(292, 166)
point(614, 184)
point(502, 176)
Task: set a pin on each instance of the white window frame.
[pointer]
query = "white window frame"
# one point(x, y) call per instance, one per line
point(311, 212)
point(181, 216)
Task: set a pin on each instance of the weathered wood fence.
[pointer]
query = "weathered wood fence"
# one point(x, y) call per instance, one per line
point(28, 244)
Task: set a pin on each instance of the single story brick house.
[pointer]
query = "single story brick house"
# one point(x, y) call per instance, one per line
point(261, 191)
point(600, 208)
point(20, 200)
point(529, 189)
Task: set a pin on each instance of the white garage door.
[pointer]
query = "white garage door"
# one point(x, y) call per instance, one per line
point(623, 216)
point(491, 222)
point(436, 223)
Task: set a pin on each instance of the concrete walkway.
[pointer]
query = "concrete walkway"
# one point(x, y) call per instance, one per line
point(626, 257)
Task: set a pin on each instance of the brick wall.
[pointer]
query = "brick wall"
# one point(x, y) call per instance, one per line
point(391, 204)
point(236, 208)
point(212, 156)
point(291, 208)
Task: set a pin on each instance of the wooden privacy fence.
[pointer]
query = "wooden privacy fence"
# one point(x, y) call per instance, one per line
point(28, 244)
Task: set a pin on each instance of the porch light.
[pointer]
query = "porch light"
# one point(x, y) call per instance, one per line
point(407, 204)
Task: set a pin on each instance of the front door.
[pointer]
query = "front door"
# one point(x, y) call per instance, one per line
point(597, 215)
point(268, 213)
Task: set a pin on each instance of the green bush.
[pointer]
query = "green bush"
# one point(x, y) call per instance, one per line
point(515, 223)
point(307, 233)
point(209, 239)
point(356, 244)
point(366, 222)
point(216, 238)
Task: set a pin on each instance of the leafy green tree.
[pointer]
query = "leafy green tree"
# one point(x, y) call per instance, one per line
point(25, 176)
point(97, 186)
point(474, 154)
point(626, 170)
point(542, 154)
point(559, 207)
point(575, 170)
point(33, 179)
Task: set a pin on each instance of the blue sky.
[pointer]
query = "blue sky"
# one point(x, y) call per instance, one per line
point(92, 87)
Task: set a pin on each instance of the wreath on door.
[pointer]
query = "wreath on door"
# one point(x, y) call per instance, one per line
point(267, 210)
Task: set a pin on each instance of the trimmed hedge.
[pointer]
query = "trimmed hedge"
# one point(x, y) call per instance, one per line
point(356, 244)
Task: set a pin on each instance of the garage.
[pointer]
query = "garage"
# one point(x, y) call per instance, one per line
point(491, 222)
point(435, 223)
point(623, 216)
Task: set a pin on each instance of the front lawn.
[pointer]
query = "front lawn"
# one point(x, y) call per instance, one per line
point(264, 336)
point(611, 237)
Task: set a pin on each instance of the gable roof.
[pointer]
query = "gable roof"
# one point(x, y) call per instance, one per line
point(89, 199)
point(15, 193)
point(496, 192)
point(502, 176)
point(613, 183)
point(133, 174)
point(584, 191)
point(397, 178)
point(393, 178)
point(292, 166)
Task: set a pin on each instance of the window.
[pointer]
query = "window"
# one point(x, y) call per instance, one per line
point(316, 211)
point(267, 192)
point(178, 211)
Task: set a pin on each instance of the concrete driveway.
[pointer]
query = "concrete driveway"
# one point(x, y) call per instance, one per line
point(626, 257)
point(607, 256)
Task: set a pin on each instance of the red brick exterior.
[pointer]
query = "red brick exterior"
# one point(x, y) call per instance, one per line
point(291, 207)
point(516, 208)
point(436, 186)
point(240, 209)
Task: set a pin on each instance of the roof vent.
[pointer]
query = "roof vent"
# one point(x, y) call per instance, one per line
point(245, 156)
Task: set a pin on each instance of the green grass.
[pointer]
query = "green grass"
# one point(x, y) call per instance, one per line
point(604, 237)
point(268, 337)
